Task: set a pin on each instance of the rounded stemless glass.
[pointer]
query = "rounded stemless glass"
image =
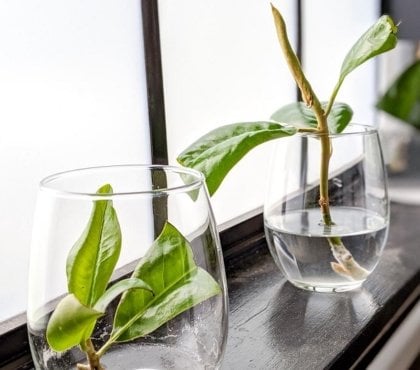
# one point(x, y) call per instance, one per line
point(311, 254)
point(152, 223)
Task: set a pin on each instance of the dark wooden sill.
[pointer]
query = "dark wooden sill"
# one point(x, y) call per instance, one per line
point(274, 325)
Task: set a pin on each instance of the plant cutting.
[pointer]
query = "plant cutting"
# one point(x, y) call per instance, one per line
point(402, 98)
point(217, 152)
point(165, 282)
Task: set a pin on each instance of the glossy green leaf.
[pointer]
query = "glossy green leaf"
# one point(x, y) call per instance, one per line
point(178, 283)
point(215, 153)
point(69, 322)
point(402, 100)
point(92, 259)
point(301, 116)
point(378, 39)
point(119, 288)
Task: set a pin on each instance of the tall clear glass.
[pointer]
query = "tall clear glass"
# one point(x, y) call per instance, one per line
point(311, 254)
point(148, 207)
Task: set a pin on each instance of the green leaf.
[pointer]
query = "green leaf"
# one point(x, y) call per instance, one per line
point(300, 115)
point(339, 117)
point(69, 322)
point(215, 153)
point(178, 283)
point(118, 288)
point(402, 100)
point(92, 259)
point(378, 39)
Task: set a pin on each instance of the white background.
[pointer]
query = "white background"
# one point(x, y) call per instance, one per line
point(72, 92)
point(222, 64)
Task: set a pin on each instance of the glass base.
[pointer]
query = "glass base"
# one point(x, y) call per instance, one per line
point(325, 288)
point(132, 356)
point(150, 357)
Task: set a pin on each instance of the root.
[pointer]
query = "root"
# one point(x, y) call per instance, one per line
point(347, 265)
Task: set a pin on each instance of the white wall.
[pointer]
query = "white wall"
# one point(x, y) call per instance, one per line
point(72, 94)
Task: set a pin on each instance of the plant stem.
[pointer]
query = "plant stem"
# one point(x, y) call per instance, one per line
point(105, 347)
point(324, 199)
point(292, 60)
point(311, 100)
point(346, 265)
point(92, 356)
point(333, 96)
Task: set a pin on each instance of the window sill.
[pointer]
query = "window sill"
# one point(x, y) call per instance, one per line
point(274, 325)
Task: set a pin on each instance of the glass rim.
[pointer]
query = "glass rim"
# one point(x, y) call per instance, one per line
point(362, 129)
point(47, 183)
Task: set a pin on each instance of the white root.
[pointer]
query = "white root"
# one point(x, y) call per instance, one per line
point(346, 266)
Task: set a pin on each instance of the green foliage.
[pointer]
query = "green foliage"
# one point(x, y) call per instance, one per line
point(217, 152)
point(379, 38)
point(69, 322)
point(178, 284)
point(118, 288)
point(92, 259)
point(301, 116)
point(402, 100)
point(165, 283)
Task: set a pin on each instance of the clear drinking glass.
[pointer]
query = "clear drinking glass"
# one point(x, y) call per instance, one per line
point(312, 255)
point(144, 200)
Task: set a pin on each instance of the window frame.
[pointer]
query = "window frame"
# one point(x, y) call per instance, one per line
point(14, 348)
point(246, 233)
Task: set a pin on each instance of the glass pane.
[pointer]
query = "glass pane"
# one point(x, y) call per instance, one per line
point(73, 95)
point(222, 64)
point(330, 29)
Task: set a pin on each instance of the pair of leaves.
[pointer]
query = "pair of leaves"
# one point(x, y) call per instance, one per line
point(402, 100)
point(165, 283)
point(217, 152)
point(178, 283)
